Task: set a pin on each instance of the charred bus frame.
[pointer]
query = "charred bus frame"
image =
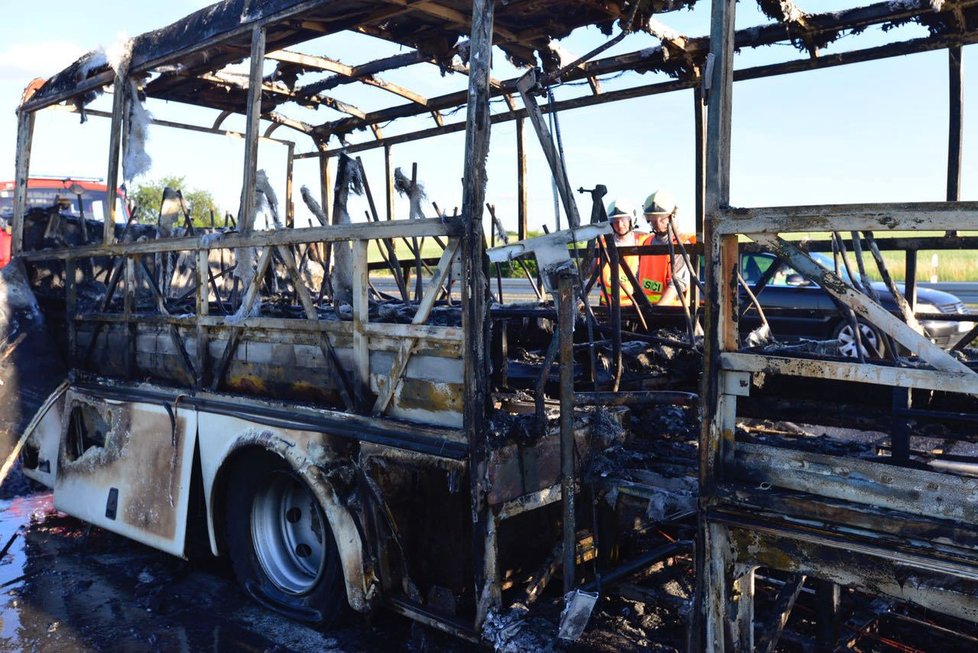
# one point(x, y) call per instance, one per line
point(735, 535)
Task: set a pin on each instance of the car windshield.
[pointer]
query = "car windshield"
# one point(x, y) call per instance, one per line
point(753, 266)
point(90, 201)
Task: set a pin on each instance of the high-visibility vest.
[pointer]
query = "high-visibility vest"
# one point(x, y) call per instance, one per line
point(655, 271)
point(627, 291)
point(4, 248)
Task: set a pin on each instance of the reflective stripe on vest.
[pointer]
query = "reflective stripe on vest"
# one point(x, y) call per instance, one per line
point(654, 275)
point(627, 291)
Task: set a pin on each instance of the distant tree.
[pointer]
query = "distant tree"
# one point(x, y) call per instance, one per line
point(147, 198)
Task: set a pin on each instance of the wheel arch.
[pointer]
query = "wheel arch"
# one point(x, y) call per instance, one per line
point(342, 522)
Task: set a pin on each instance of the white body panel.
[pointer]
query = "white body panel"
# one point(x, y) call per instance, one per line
point(44, 435)
point(146, 460)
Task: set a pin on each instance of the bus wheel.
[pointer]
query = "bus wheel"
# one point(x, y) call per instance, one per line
point(280, 544)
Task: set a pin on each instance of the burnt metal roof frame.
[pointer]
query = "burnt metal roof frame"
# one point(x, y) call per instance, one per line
point(820, 26)
point(218, 28)
point(213, 37)
point(915, 46)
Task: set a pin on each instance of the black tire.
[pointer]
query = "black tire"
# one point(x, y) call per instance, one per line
point(280, 544)
point(872, 341)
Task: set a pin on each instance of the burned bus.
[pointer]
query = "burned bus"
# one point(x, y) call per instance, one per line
point(353, 414)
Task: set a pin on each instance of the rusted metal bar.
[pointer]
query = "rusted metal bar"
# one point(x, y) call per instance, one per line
point(839, 251)
point(910, 279)
point(955, 135)
point(541, 579)
point(628, 24)
point(418, 289)
point(128, 306)
point(906, 309)
point(770, 632)
point(861, 217)
point(967, 339)
point(609, 247)
point(926, 625)
point(657, 554)
point(475, 316)
point(683, 301)
point(119, 107)
point(827, 598)
point(699, 125)
point(332, 233)
point(71, 311)
point(844, 371)
point(567, 302)
point(246, 211)
point(203, 310)
point(753, 301)
point(391, 257)
point(761, 284)
point(539, 396)
point(636, 398)
point(25, 136)
point(289, 188)
point(639, 300)
point(521, 178)
point(707, 632)
point(325, 193)
point(527, 85)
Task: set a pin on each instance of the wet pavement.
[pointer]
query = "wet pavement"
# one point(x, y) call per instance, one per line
point(66, 586)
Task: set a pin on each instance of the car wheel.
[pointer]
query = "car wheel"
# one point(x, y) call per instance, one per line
point(872, 341)
point(280, 544)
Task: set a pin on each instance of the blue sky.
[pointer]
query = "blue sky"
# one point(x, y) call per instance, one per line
point(865, 133)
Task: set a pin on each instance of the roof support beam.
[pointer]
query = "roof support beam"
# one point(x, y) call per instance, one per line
point(312, 62)
point(281, 90)
point(869, 54)
point(695, 50)
point(435, 10)
point(180, 125)
point(246, 210)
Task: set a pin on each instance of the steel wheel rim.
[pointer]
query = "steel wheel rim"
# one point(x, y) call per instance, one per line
point(287, 527)
point(847, 341)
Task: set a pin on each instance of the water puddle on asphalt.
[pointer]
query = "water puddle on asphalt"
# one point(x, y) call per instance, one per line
point(15, 514)
point(67, 586)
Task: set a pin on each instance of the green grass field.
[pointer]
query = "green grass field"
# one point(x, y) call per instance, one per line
point(948, 265)
point(945, 265)
point(429, 249)
point(951, 265)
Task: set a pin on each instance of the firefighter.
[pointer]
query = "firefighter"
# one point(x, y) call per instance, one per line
point(622, 217)
point(656, 272)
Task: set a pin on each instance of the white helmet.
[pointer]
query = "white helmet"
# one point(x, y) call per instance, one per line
point(620, 208)
point(661, 202)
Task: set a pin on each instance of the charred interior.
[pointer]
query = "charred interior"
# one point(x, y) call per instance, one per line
point(498, 457)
